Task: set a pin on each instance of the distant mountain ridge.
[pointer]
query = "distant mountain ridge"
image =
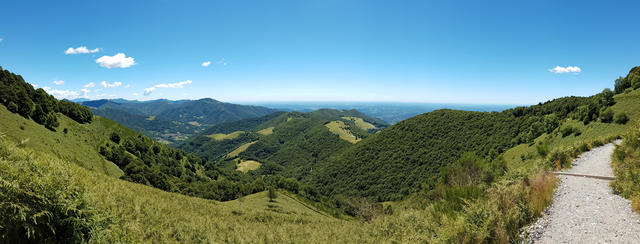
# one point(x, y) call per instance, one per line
point(172, 121)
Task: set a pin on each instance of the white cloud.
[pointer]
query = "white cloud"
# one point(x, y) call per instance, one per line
point(206, 64)
point(110, 85)
point(135, 94)
point(58, 82)
point(222, 61)
point(90, 85)
point(568, 69)
point(119, 60)
point(85, 91)
point(60, 94)
point(180, 84)
point(127, 86)
point(81, 49)
point(1, 39)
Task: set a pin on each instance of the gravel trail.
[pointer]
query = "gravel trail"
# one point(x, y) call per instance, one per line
point(585, 210)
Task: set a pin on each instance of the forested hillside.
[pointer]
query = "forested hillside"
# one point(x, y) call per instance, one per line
point(173, 121)
point(284, 143)
point(414, 154)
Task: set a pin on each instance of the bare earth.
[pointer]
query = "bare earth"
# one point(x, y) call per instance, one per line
point(585, 210)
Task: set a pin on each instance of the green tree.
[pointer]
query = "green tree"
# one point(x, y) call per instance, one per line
point(621, 84)
point(606, 116)
point(272, 194)
point(620, 118)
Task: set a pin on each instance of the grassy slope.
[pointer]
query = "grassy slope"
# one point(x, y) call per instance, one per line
point(142, 214)
point(79, 145)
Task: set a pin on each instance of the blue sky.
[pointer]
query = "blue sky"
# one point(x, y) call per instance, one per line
point(478, 52)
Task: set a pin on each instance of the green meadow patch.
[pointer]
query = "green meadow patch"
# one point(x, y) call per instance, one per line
point(266, 131)
point(247, 165)
point(342, 130)
point(240, 149)
point(360, 123)
point(222, 136)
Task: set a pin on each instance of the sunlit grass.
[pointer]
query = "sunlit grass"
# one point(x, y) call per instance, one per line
point(221, 136)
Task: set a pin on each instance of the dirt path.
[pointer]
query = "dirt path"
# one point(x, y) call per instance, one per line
point(584, 210)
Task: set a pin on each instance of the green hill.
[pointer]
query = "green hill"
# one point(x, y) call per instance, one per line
point(284, 143)
point(414, 154)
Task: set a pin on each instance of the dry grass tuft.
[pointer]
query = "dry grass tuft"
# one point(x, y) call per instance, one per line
point(543, 185)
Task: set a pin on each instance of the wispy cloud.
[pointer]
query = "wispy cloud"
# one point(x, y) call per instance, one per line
point(58, 82)
point(568, 69)
point(222, 62)
point(81, 50)
point(206, 64)
point(1, 39)
point(119, 60)
point(110, 85)
point(90, 85)
point(180, 84)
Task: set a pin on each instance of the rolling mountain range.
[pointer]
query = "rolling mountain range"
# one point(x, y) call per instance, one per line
point(172, 121)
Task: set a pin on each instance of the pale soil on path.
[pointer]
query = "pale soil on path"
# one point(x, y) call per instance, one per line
point(585, 210)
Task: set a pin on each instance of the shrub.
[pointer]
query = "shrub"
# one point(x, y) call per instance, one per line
point(568, 130)
point(559, 159)
point(606, 116)
point(620, 118)
point(542, 148)
point(115, 137)
point(597, 143)
point(272, 194)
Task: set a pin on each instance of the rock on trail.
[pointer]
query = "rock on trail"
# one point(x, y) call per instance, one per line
point(585, 210)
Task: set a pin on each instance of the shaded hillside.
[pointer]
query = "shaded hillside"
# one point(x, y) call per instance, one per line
point(173, 121)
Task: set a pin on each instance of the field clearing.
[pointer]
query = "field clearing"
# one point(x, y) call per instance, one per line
point(152, 117)
point(266, 131)
point(360, 123)
point(341, 129)
point(194, 123)
point(221, 136)
point(247, 165)
point(240, 149)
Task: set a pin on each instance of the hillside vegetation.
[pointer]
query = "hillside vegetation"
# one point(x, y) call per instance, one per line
point(285, 143)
